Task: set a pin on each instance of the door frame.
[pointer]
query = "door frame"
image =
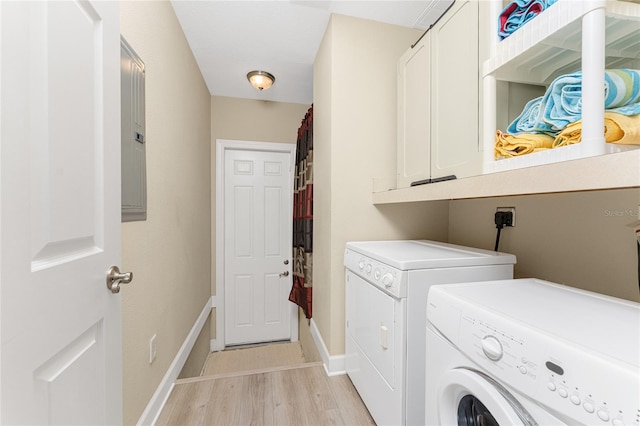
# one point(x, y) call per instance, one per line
point(222, 146)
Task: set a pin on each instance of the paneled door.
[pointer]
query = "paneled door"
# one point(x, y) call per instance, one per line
point(258, 199)
point(60, 352)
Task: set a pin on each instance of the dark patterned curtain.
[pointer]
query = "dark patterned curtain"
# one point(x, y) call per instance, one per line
point(301, 292)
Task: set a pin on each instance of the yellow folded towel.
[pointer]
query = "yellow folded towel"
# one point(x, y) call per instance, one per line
point(618, 129)
point(508, 145)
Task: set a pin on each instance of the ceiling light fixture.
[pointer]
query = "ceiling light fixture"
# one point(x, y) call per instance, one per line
point(261, 80)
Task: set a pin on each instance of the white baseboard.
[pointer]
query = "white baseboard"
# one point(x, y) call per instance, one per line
point(334, 365)
point(160, 396)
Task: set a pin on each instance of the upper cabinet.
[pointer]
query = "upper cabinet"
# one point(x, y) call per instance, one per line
point(455, 148)
point(479, 85)
point(438, 81)
point(414, 117)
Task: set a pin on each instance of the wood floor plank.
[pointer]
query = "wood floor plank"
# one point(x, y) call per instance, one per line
point(294, 395)
point(351, 407)
point(254, 358)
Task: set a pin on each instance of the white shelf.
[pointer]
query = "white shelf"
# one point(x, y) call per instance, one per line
point(551, 44)
point(588, 35)
point(611, 171)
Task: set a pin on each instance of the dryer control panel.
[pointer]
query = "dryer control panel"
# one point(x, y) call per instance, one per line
point(387, 278)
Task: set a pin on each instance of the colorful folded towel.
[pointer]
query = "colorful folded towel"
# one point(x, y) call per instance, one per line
point(618, 128)
point(562, 102)
point(515, 145)
point(518, 13)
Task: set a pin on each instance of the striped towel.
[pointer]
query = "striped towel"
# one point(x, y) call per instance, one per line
point(561, 105)
point(519, 12)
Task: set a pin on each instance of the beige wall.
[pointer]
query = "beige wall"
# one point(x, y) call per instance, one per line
point(580, 239)
point(169, 253)
point(354, 142)
point(248, 120)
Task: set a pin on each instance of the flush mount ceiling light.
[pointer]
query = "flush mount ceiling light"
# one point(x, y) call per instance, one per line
point(261, 80)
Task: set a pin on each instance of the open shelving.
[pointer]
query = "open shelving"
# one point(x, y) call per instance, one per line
point(566, 37)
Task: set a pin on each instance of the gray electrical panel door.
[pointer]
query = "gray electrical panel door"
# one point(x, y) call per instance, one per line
point(134, 175)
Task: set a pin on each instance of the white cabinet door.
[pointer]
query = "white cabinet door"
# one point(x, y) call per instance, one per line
point(61, 357)
point(455, 142)
point(413, 148)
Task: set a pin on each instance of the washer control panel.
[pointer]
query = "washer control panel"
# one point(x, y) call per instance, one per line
point(587, 388)
point(385, 277)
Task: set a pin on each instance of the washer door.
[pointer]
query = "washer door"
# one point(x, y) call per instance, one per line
point(470, 397)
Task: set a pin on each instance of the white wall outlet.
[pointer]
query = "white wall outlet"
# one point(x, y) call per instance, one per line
point(509, 209)
point(152, 349)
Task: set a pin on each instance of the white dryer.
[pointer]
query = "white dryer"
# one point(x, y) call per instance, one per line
point(386, 293)
point(531, 352)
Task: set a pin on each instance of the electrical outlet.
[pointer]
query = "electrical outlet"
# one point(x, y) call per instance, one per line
point(509, 209)
point(152, 349)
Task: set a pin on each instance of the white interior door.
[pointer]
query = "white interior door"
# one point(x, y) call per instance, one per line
point(258, 199)
point(60, 353)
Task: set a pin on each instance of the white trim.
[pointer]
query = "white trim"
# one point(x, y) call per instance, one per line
point(334, 365)
point(160, 396)
point(222, 145)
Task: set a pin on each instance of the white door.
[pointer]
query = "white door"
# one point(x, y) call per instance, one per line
point(258, 198)
point(60, 353)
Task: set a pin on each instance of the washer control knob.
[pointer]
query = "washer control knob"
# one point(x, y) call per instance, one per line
point(387, 279)
point(575, 399)
point(588, 407)
point(361, 265)
point(522, 369)
point(551, 386)
point(368, 268)
point(492, 347)
point(563, 392)
point(617, 422)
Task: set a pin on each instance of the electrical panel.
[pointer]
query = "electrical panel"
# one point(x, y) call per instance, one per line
point(134, 176)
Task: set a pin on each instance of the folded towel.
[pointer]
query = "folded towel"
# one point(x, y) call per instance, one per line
point(518, 13)
point(618, 128)
point(515, 145)
point(530, 120)
point(562, 102)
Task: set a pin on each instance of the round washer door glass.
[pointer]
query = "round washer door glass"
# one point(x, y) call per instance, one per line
point(470, 397)
point(472, 412)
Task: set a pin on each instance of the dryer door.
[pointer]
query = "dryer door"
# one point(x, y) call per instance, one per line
point(469, 397)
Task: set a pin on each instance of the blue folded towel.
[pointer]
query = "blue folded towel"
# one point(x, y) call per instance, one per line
point(562, 102)
point(519, 12)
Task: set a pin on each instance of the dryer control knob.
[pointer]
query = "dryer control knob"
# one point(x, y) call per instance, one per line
point(387, 279)
point(492, 347)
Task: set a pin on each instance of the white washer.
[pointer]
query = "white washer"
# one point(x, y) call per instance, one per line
point(386, 293)
point(531, 352)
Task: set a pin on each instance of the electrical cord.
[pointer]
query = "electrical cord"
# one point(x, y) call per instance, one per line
point(499, 227)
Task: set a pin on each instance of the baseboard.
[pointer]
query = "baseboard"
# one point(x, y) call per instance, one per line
point(160, 396)
point(334, 365)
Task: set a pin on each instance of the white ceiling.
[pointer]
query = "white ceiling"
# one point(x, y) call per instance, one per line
point(229, 38)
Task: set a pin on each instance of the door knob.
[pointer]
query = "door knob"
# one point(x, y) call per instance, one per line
point(115, 278)
point(284, 274)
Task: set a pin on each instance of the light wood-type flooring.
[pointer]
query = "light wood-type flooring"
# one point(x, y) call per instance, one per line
point(264, 385)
